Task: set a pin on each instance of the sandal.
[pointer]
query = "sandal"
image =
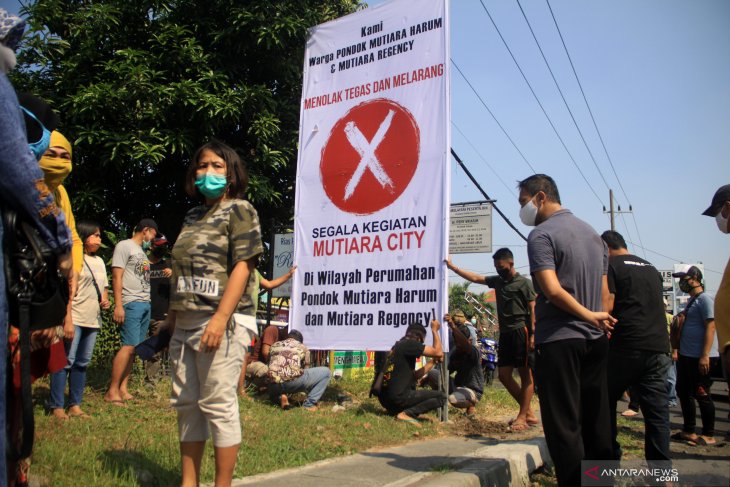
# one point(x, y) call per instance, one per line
point(409, 420)
point(517, 427)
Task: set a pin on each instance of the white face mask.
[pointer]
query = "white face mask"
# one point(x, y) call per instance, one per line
point(528, 213)
point(721, 222)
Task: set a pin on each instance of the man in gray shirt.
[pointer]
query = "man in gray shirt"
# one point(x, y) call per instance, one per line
point(131, 285)
point(569, 264)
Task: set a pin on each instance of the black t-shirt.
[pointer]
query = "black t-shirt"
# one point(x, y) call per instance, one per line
point(468, 368)
point(159, 289)
point(513, 301)
point(638, 305)
point(398, 377)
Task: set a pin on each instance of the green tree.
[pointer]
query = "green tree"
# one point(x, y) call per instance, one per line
point(139, 84)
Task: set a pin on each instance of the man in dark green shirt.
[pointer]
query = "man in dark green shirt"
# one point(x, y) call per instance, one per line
point(516, 312)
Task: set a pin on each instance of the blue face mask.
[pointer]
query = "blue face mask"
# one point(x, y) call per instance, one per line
point(41, 146)
point(146, 245)
point(211, 186)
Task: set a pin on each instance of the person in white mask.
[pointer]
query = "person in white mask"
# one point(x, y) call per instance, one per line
point(720, 210)
point(569, 265)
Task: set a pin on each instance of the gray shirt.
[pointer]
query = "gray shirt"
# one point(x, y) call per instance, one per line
point(136, 278)
point(579, 257)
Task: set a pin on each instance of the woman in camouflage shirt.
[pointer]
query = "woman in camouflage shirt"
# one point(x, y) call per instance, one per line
point(212, 308)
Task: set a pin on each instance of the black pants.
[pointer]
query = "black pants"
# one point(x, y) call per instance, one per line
point(645, 374)
point(571, 376)
point(691, 386)
point(414, 402)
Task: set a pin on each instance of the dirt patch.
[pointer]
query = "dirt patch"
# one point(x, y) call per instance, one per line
point(495, 427)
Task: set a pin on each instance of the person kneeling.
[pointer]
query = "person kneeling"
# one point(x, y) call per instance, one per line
point(398, 394)
point(468, 383)
point(289, 372)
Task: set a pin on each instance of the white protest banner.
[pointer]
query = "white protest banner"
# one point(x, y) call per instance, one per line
point(372, 191)
point(283, 255)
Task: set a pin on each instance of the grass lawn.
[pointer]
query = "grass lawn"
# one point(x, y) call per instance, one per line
point(138, 444)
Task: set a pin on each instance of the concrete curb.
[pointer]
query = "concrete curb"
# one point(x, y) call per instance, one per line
point(495, 465)
point(451, 462)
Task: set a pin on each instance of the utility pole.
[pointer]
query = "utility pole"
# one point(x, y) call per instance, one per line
point(614, 212)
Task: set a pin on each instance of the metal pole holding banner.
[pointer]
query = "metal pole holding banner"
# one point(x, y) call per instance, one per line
point(272, 242)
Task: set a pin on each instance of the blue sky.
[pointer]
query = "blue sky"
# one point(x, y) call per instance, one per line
point(655, 73)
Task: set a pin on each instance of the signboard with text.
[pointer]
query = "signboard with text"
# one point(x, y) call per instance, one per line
point(373, 183)
point(283, 255)
point(470, 229)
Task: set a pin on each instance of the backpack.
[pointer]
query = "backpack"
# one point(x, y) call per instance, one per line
point(675, 328)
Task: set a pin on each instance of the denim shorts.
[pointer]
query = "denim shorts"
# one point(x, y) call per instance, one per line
point(136, 322)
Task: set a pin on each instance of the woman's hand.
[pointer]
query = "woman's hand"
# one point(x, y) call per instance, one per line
point(213, 334)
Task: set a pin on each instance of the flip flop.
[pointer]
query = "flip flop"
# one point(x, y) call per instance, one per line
point(530, 422)
point(703, 442)
point(517, 427)
point(409, 420)
point(681, 436)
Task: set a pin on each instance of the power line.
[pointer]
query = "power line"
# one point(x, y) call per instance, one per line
point(483, 159)
point(494, 117)
point(593, 119)
point(540, 103)
point(637, 231)
point(469, 175)
point(600, 137)
point(565, 102)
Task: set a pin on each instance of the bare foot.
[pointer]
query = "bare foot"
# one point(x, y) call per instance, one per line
point(59, 413)
point(126, 396)
point(532, 419)
point(284, 402)
point(407, 419)
point(311, 409)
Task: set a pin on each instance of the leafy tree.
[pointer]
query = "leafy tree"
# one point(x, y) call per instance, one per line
point(139, 84)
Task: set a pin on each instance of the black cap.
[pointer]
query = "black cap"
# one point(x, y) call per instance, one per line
point(297, 335)
point(146, 223)
point(692, 272)
point(721, 196)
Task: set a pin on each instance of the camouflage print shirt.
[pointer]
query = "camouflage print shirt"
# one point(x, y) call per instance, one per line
point(212, 241)
point(287, 360)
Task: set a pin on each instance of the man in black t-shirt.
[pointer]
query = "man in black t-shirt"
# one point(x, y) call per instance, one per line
point(160, 272)
point(398, 394)
point(516, 312)
point(639, 347)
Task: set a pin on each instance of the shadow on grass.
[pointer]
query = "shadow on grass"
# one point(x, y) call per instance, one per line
point(137, 468)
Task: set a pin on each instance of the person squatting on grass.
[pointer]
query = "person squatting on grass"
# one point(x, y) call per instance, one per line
point(289, 372)
point(212, 309)
point(398, 394)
